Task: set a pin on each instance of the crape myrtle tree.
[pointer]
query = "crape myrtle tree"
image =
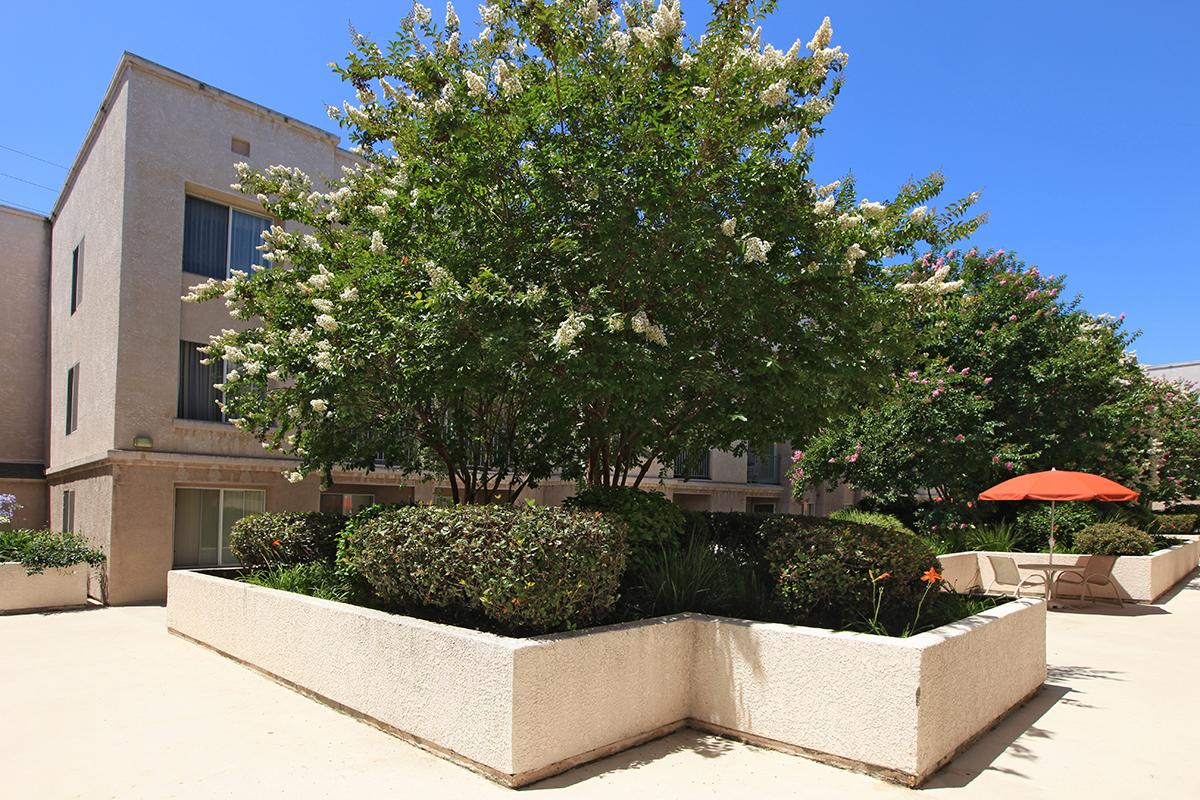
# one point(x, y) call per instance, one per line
point(1171, 417)
point(579, 241)
point(1006, 376)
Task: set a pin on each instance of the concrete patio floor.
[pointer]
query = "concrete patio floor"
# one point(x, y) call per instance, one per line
point(105, 703)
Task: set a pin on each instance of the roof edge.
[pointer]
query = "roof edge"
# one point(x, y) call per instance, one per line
point(129, 61)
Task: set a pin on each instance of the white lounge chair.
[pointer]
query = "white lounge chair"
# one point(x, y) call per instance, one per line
point(1096, 572)
point(1007, 578)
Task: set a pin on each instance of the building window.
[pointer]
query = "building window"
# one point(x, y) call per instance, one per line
point(692, 464)
point(345, 504)
point(762, 464)
point(198, 396)
point(76, 277)
point(217, 238)
point(68, 510)
point(760, 506)
point(72, 399)
point(239, 146)
point(204, 519)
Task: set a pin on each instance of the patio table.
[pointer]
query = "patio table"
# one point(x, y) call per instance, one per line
point(1052, 571)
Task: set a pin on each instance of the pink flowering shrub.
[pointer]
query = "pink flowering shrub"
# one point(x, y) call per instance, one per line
point(1003, 376)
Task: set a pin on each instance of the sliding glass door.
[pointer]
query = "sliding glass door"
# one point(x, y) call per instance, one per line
point(204, 519)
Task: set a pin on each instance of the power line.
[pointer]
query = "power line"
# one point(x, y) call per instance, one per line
point(30, 155)
point(22, 205)
point(31, 183)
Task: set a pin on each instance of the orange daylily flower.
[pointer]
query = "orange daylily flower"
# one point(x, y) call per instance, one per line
point(931, 576)
point(276, 542)
point(877, 578)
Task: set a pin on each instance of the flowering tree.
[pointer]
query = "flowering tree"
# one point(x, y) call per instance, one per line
point(1172, 418)
point(1005, 377)
point(8, 508)
point(581, 240)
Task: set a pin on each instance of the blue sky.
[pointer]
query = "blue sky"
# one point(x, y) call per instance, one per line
point(1079, 121)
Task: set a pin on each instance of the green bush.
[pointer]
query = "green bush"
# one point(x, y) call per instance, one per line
point(653, 522)
point(822, 570)
point(293, 537)
point(315, 578)
point(999, 537)
point(1176, 523)
point(738, 534)
point(41, 550)
point(527, 569)
point(875, 518)
point(1113, 539)
point(1032, 526)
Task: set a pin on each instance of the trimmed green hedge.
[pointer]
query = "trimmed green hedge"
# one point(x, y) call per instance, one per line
point(293, 537)
point(41, 550)
point(823, 570)
point(875, 518)
point(1113, 539)
point(654, 523)
point(528, 569)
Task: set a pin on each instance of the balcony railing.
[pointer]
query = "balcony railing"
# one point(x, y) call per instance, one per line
point(690, 464)
point(762, 465)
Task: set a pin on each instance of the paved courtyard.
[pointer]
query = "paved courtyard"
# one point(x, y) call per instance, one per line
point(105, 703)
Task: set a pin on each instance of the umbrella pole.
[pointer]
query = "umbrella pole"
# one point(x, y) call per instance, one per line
point(1051, 531)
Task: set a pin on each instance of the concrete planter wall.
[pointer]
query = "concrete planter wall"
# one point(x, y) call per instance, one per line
point(1138, 579)
point(54, 588)
point(519, 710)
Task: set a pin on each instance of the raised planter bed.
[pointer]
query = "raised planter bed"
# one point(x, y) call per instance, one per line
point(1138, 579)
point(519, 710)
point(52, 589)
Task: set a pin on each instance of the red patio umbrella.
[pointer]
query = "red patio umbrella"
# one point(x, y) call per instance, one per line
point(1058, 486)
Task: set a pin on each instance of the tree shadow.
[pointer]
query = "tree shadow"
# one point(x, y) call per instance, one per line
point(1016, 735)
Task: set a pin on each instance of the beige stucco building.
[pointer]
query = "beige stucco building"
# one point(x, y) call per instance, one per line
point(112, 429)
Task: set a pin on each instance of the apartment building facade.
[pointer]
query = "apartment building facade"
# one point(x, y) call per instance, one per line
point(116, 433)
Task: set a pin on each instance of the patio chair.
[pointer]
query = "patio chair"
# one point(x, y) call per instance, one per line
point(1007, 577)
point(1096, 572)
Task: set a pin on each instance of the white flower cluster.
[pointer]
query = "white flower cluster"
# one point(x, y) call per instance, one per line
point(872, 210)
point(377, 245)
point(822, 37)
point(775, 94)
point(756, 250)
point(934, 284)
point(476, 84)
point(919, 213)
point(568, 331)
point(506, 78)
point(641, 324)
point(729, 226)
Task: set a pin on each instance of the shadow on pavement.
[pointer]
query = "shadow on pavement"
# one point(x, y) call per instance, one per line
point(706, 745)
point(1016, 735)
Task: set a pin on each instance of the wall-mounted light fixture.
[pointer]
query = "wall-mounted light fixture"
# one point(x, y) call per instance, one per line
point(143, 443)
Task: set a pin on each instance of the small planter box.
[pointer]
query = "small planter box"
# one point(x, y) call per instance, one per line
point(1138, 579)
point(519, 710)
point(54, 588)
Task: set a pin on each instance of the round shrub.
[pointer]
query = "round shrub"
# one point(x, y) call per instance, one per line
point(1032, 526)
point(875, 518)
point(653, 522)
point(1175, 523)
point(1113, 539)
point(293, 537)
point(529, 569)
point(823, 570)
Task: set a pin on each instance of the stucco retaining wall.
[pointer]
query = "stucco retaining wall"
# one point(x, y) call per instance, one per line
point(54, 588)
point(521, 709)
point(1138, 579)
